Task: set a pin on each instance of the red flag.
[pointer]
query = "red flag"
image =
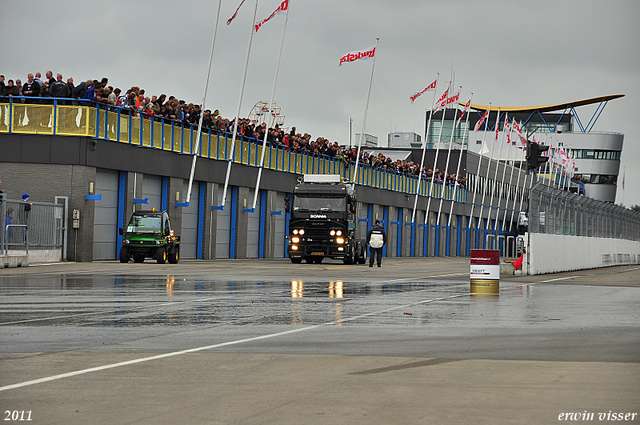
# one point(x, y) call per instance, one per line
point(431, 86)
point(464, 111)
point(482, 118)
point(506, 129)
point(358, 54)
point(235, 14)
point(497, 125)
point(518, 262)
point(283, 8)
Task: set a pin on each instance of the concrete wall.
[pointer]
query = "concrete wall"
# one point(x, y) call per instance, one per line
point(558, 253)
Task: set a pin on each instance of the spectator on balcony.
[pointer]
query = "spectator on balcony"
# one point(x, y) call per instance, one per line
point(2, 85)
point(70, 85)
point(38, 79)
point(31, 88)
point(11, 89)
point(59, 88)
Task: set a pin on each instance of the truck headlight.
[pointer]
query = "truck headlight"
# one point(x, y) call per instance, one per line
point(332, 232)
point(301, 231)
point(294, 247)
point(339, 232)
point(295, 239)
point(295, 231)
point(339, 240)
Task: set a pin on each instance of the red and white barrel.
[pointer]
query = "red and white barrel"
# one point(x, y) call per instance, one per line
point(485, 271)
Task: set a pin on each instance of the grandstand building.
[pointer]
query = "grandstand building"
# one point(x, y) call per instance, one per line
point(597, 155)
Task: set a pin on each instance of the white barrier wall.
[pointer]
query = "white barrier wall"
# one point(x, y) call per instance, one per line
point(559, 253)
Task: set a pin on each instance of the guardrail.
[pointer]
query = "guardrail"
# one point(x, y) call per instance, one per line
point(73, 117)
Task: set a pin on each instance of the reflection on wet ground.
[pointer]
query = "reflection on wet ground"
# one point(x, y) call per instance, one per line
point(146, 301)
point(173, 301)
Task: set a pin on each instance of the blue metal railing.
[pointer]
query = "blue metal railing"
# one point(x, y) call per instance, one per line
point(76, 117)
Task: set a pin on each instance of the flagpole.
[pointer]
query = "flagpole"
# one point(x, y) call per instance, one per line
point(235, 127)
point(446, 171)
point(504, 175)
point(455, 186)
point(473, 201)
point(204, 97)
point(495, 183)
point(424, 150)
point(364, 121)
point(517, 184)
point(266, 133)
point(435, 161)
point(486, 178)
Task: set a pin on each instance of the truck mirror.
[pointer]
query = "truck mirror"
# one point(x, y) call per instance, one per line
point(287, 204)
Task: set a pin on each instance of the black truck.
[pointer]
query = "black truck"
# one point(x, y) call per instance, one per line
point(322, 222)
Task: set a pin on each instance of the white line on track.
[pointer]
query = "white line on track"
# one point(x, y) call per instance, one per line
point(209, 347)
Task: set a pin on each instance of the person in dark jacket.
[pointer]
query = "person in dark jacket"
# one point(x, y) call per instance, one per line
point(377, 239)
point(59, 88)
point(11, 89)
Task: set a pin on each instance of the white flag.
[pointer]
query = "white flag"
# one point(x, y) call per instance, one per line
point(235, 14)
point(283, 8)
point(358, 54)
point(431, 86)
point(482, 118)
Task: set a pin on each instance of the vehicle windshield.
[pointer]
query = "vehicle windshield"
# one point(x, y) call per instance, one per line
point(302, 203)
point(145, 224)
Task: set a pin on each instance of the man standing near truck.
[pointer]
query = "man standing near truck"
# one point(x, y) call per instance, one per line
point(376, 238)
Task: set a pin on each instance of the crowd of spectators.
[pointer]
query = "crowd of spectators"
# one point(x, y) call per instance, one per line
point(136, 101)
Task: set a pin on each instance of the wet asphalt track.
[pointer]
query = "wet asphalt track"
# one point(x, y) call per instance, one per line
point(265, 341)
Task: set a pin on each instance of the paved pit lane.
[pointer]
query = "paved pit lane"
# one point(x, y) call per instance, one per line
point(266, 341)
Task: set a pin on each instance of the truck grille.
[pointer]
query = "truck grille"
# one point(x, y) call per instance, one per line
point(317, 229)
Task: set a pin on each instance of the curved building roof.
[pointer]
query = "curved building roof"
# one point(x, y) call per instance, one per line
point(550, 108)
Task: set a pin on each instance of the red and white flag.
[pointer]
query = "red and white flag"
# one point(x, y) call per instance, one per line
point(446, 101)
point(358, 54)
point(481, 121)
point(522, 141)
point(431, 86)
point(283, 8)
point(235, 14)
point(464, 111)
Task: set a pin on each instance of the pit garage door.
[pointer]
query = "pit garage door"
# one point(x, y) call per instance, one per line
point(105, 223)
point(151, 189)
point(223, 226)
point(278, 249)
point(189, 236)
point(253, 227)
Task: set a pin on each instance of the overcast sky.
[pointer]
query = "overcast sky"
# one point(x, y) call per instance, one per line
point(507, 52)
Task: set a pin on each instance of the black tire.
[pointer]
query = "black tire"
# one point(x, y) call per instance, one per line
point(161, 255)
point(174, 256)
point(318, 260)
point(124, 255)
point(296, 260)
point(308, 260)
point(348, 259)
point(361, 254)
point(138, 258)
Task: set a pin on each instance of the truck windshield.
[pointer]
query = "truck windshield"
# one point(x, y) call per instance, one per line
point(144, 224)
point(319, 203)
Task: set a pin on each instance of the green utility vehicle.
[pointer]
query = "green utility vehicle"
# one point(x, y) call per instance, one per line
point(149, 235)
